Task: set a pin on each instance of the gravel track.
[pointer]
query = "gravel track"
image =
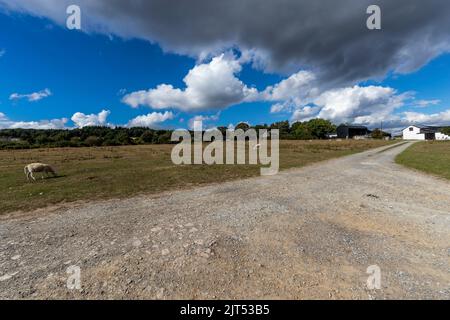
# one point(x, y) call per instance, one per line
point(308, 233)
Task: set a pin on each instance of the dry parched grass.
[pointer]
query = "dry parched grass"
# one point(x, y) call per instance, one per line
point(429, 156)
point(110, 172)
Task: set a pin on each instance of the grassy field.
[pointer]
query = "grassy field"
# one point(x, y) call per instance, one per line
point(430, 156)
point(118, 172)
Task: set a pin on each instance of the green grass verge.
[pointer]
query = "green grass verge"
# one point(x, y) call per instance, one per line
point(118, 172)
point(429, 156)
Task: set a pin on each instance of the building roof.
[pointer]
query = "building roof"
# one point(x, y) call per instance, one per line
point(420, 126)
point(350, 126)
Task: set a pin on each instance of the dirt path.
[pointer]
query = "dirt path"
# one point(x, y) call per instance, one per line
point(305, 233)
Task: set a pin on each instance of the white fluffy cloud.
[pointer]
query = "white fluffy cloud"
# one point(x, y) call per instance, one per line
point(207, 121)
point(280, 107)
point(298, 88)
point(151, 120)
point(214, 85)
point(305, 113)
point(359, 104)
point(369, 106)
point(6, 123)
point(440, 118)
point(398, 121)
point(304, 99)
point(82, 120)
point(292, 93)
point(426, 103)
point(31, 97)
point(208, 86)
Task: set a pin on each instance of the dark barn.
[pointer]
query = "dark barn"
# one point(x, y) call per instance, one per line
point(349, 131)
point(429, 132)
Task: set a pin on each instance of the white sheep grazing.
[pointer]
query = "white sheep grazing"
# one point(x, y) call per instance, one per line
point(38, 167)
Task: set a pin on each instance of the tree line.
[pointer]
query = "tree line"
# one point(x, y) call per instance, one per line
point(106, 136)
point(84, 137)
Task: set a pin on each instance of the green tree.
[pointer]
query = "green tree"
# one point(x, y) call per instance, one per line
point(164, 137)
point(284, 128)
point(123, 138)
point(42, 139)
point(93, 141)
point(377, 134)
point(147, 136)
point(244, 126)
point(301, 131)
point(446, 130)
point(319, 128)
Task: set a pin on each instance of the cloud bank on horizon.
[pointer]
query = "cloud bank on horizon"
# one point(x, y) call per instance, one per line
point(323, 49)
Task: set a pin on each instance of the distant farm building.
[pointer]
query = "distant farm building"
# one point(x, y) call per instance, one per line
point(418, 132)
point(352, 132)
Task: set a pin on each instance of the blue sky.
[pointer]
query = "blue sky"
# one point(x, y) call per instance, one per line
point(85, 73)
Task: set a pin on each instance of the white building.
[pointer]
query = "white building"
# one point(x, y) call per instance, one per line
point(441, 136)
point(418, 132)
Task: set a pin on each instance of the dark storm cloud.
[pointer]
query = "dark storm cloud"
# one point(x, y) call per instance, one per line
point(327, 36)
